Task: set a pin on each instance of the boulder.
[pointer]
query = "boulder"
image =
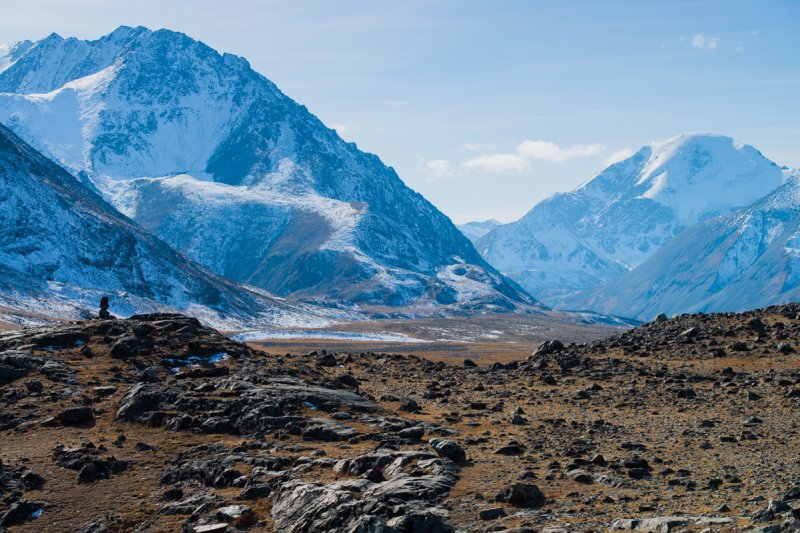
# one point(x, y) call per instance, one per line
point(448, 449)
point(522, 495)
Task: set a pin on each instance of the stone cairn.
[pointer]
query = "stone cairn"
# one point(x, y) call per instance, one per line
point(104, 314)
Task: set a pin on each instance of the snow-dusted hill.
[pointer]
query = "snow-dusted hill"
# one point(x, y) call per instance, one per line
point(62, 247)
point(216, 161)
point(742, 260)
point(475, 230)
point(579, 241)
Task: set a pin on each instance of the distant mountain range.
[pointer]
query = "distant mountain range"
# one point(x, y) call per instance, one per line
point(218, 163)
point(475, 230)
point(694, 223)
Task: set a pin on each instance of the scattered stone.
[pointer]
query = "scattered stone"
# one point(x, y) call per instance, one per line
point(237, 515)
point(581, 476)
point(448, 449)
point(416, 432)
point(492, 514)
point(522, 495)
point(410, 406)
point(549, 347)
point(74, 416)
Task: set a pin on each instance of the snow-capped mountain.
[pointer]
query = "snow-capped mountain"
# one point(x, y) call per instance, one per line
point(737, 261)
point(212, 157)
point(579, 241)
point(62, 247)
point(475, 230)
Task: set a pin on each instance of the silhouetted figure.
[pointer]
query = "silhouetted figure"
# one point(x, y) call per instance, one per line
point(104, 314)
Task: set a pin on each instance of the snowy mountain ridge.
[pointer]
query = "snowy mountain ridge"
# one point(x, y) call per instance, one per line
point(211, 157)
point(737, 261)
point(588, 238)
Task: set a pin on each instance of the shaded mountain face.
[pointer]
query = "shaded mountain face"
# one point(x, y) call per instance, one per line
point(62, 247)
point(580, 241)
point(215, 160)
point(745, 259)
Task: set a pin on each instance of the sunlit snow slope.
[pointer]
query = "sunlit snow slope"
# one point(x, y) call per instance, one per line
point(742, 260)
point(574, 243)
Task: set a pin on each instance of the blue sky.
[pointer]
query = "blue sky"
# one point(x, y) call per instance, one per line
point(487, 107)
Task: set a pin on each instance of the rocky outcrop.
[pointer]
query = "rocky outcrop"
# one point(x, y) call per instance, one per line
point(160, 423)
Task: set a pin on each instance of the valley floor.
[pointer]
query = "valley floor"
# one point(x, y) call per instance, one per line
point(485, 338)
point(142, 425)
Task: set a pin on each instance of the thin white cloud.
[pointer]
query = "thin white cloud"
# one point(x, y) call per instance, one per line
point(550, 151)
point(520, 162)
point(395, 103)
point(498, 163)
point(471, 147)
point(340, 129)
point(440, 168)
point(619, 155)
point(702, 42)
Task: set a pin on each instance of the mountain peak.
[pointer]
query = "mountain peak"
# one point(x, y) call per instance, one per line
point(214, 159)
point(576, 241)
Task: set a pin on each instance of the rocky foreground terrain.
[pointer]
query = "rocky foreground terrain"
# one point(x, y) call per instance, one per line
point(156, 423)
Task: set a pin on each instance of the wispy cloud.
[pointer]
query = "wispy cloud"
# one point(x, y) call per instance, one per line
point(619, 155)
point(439, 168)
point(471, 147)
point(498, 163)
point(395, 103)
point(702, 42)
point(529, 150)
point(550, 151)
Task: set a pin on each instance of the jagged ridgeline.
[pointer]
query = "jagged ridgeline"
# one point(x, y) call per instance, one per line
point(215, 160)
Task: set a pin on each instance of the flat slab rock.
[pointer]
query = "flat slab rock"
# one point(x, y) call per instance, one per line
point(664, 524)
point(354, 504)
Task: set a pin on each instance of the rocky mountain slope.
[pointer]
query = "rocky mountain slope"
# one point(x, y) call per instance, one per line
point(62, 247)
point(211, 157)
point(596, 234)
point(731, 262)
point(156, 423)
